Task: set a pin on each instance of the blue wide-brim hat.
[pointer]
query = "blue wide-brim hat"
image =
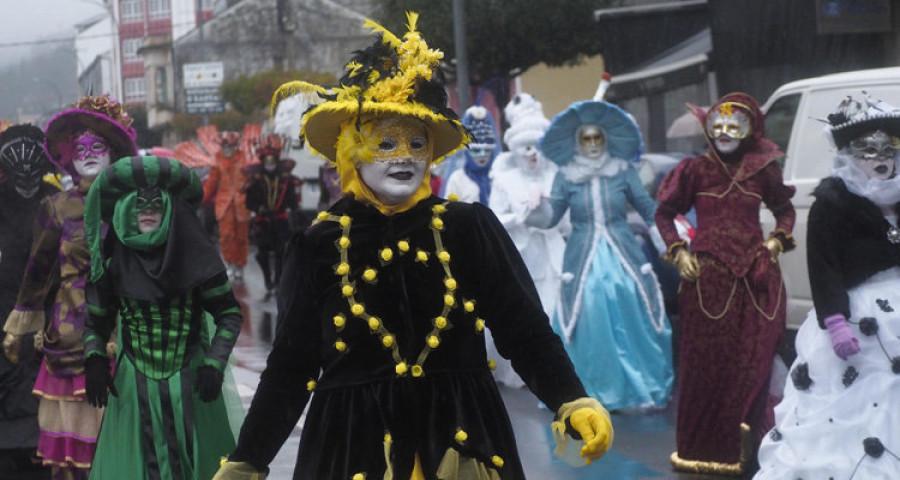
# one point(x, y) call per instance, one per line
point(623, 137)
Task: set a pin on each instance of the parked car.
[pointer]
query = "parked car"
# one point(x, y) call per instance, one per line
point(794, 120)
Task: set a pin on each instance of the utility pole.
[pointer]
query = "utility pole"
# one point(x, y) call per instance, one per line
point(462, 57)
point(202, 53)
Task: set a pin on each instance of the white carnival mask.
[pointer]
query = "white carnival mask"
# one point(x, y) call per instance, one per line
point(876, 154)
point(727, 127)
point(401, 160)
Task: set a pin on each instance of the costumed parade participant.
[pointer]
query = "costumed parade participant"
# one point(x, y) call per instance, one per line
point(329, 186)
point(609, 296)
point(272, 194)
point(838, 418)
point(384, 301)
point(223, 189)
point(80, 141)
point(472, 183)
point(731, 300)
point(520, 177)
point(158, 275)
point(23, 163)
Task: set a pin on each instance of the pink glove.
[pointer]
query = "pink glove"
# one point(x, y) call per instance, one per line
point(843, 340)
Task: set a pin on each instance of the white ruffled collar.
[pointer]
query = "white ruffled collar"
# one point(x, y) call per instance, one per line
point(582, 169)
point(883, 193)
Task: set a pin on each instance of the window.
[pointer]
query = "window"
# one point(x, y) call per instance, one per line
point(159, 9)
point(130, 47)
point(131, 11)
point(162, 86)
point(134, 89)
point(780, 121)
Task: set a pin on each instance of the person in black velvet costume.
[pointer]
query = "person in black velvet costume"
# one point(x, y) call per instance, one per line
point(383, 304)
point(23, 163)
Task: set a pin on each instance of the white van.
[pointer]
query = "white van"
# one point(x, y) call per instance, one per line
point(795, 116)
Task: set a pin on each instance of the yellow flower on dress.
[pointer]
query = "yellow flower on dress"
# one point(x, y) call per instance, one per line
point(342, 269)
point(357, 309)
point(340, 346)
point(461, 436)
point(311, 385)
point(417, 371)
point(479, 325)
point(440, 322)
point(403, 246)
point(400, 368)
point(433, 341)
point(339, 321)
point(387, 341)
point(387, 254)
point(369, 275)
point(469, 306)
point(444, 256)
point(344, 221)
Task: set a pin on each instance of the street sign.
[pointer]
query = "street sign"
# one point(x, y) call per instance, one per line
point(203, 100)
point(201, 87)
point(205, 74)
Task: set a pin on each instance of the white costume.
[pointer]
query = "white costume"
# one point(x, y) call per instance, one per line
point(519, 178)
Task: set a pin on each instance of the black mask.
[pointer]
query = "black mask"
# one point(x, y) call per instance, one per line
point(24, 160)
point(150, 198)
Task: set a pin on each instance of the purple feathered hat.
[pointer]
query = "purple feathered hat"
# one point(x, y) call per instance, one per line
point(101, 115)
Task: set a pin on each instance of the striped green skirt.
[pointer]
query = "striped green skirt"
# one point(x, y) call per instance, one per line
point(160, 429)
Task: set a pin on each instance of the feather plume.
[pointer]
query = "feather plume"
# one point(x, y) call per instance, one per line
point(412, 18)
point(291, 88)
point(386, 36)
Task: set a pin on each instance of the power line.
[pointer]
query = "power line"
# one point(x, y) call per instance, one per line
point(71, 39)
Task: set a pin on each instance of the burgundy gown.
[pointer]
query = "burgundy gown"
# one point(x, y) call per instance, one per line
point(733, 316)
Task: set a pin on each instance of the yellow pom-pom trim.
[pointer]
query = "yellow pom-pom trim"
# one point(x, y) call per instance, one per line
point(387, 254)
point(440, 322)
point(422, 256)
point(342, 269)
point(433, 341)
point(453, 197)
point(438, 209)
point(461, 436)
point(359, 476)
point(370, 274)
point(339, 321)
point(344, 242)
point(311, 385)
point(479, 325)
point(444, 256)
point(437, 223)
point(347, 290)
point(450, 283)
point(400, 368)
point(417, 371)
point(387, 341)
point(497, 461)
point(492, 364)
point(344, 221)
point(340, 346)
point(322, 215)
point(374, 323)
point(357, 309)
point(403, 246)
point(469, 306)
point(449, 300)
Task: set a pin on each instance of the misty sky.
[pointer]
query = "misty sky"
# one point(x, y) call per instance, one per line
point(25, 21)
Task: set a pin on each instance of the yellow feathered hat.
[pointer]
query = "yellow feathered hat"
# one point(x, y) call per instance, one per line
point(394, 76)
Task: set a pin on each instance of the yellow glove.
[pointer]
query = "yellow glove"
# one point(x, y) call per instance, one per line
point(775, 248)
point(237, 471)
point(590, 420)
point(11, 346)
point(687, 264)
point(595, 429)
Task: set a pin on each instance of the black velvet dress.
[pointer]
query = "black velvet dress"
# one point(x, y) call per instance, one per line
point(404, 372)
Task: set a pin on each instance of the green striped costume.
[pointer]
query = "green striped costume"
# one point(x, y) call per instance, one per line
point(157, 426)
